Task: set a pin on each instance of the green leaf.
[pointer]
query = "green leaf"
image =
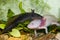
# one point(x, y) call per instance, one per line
point(15, 33)
point(19, 28)
point(10, 14)
point(2, 26)
point(21, 9)
point(26, 22)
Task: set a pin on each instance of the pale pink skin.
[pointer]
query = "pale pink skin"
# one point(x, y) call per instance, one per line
point(35, 23)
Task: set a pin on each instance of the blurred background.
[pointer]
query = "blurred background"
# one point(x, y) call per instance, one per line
point(9, 8)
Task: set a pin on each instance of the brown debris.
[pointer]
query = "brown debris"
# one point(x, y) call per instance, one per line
point(12, 38)
point(23, 37)
point(28, 37)
point(47, 36)
point(3, 37)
